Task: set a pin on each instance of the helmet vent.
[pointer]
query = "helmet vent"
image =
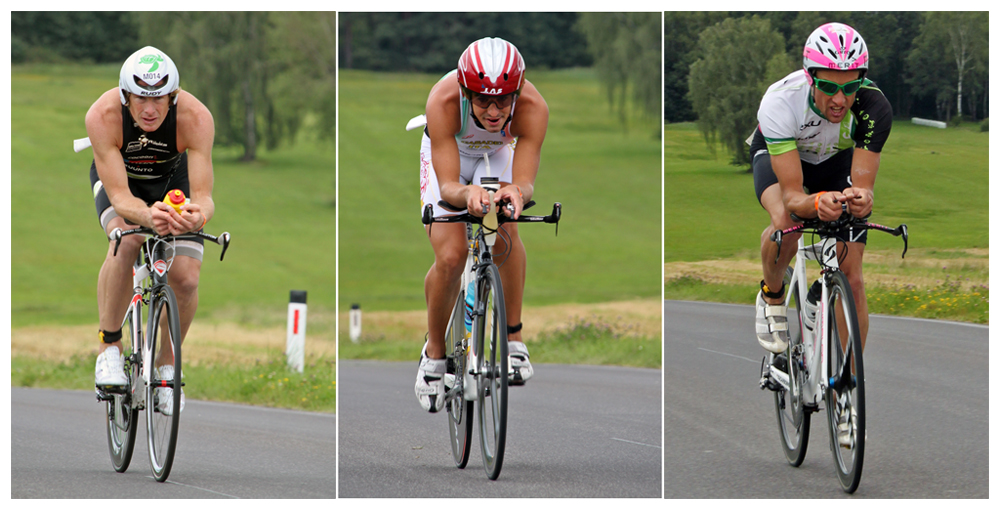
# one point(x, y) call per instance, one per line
point(504, 76)
point(481, 75)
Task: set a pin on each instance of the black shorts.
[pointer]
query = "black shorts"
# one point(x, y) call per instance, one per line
point(833, 174)
point(149, 191)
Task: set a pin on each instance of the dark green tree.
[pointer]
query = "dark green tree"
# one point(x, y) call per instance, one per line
point(737, 60)
point(262, 75)
point(626, 50)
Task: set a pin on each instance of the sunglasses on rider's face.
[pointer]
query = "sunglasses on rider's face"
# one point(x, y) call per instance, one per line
point(483, 101)
point(830, 88)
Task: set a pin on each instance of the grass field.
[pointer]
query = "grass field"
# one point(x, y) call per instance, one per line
point(280, 211)
point(608, 247)
point(935, 181)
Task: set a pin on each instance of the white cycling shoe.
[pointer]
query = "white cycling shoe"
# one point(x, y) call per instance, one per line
point(772, 325)
point(430, 388)
point(165, 396)
point(517, 359)
point(110, 368)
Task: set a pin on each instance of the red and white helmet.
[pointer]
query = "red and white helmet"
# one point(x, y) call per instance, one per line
point(835, 46)
point(491, 66)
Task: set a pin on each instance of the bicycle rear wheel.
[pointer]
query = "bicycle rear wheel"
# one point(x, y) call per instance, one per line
point(459, 410)
point(161, 428)
point(490, 337)
point(793, 418)
point(845, 396)
point(121, 412)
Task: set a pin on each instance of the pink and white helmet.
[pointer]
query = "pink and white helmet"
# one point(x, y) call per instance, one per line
point(491, 66)
point(835, 46)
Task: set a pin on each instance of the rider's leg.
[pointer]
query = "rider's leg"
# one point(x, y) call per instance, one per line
point(441, 285)
point(512, 266)
point(774, 271)
point(114, 282)
point(851, 266)
point(183, 279)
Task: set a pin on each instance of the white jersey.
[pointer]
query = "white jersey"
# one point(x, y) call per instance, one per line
point(790, 121)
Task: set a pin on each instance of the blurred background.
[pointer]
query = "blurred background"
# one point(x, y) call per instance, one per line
point(269, 80)
point(932, 66)
point(592, 293)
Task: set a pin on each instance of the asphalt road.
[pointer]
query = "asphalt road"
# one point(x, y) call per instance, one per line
point(573, 432)
point(926, 385)
point(59, 450)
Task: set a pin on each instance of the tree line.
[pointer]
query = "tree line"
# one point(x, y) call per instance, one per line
point(718, 65)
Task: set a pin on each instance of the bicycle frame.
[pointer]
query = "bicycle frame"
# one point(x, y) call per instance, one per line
point(814, 340)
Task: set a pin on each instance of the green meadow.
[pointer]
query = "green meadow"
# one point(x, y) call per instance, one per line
point(280, 211)
point(608, 179)
point(934, 180)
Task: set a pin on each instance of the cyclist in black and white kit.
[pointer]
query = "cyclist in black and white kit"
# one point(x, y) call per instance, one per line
point(817, 146)
point(148, 137)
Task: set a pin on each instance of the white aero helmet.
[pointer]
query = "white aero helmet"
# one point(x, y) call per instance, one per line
point(835, 46)
point(148, 72)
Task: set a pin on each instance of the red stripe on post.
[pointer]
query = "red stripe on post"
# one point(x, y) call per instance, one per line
point(295, 325)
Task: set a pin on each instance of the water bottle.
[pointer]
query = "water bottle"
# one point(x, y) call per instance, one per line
point(470, 303)
point(811, 304)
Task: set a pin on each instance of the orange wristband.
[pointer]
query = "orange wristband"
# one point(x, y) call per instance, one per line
point(204, 222)
point(817, 199)
point(518, 191)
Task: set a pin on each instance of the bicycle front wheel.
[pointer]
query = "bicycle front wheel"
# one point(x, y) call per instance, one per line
point(793, 419)
point(459, 410)
point(163, 396)
point(121, 410)
point(845, 395)
point(490, 336)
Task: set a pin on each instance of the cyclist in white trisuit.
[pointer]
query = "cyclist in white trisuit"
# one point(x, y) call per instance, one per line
point(817, 146)
point(470, 114)
point(148, 137)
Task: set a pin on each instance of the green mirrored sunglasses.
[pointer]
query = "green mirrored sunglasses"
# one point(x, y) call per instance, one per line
point(830, 88)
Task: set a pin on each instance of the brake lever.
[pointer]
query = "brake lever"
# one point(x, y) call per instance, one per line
point(116, 236)
point(224, 237)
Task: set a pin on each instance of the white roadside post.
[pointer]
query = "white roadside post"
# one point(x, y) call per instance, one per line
point(295, 347)
point(355, 328)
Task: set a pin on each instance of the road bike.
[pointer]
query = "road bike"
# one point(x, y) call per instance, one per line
point(823, 363)
point(143, 389)
point(476, 337)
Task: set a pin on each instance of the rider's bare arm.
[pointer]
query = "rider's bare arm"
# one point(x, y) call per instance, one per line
point(864, 168)
point(196, 133)
point(529, 126)
point(788, 169)
point(443, 121)
point(104, 127)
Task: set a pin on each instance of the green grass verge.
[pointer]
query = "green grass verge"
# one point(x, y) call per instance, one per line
point(266, 383)
point(579, 343)
point(608, 245)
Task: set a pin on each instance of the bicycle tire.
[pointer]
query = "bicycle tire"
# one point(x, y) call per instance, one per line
point(490, 336)
point(845, 394)
point(161, 429)
point(793, 418)
point(121, 411)
point(460, 411)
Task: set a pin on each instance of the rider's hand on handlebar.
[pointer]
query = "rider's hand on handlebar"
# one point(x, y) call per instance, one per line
point(166, 220)
point(828, 205)
point(859, 201)
point(477, 200)
point(512, 196)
